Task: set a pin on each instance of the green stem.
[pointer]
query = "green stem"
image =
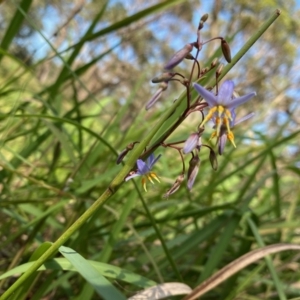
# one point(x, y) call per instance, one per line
point(119, 179)
point(160, 236)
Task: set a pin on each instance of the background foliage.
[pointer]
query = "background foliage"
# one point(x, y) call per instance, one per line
point(75, 77)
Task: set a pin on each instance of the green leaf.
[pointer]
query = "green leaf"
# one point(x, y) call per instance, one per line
point(106, 270)
point(14, 26)
point(102, 286)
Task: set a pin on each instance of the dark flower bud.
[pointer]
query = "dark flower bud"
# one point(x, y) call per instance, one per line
point(213, 159)
point(163, 86)
point(122, 155)
point(190, 56)
point(204, 17)
point(226, 50)
point(163, 77)
point(179, 57)
point(175, 186)
point(201, 25)
point(214, 62)
point(193, 171)
point(125, 151)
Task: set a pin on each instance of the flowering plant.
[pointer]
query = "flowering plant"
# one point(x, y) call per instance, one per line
point(221, 105)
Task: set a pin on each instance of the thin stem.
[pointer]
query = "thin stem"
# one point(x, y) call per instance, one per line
point(160, 237)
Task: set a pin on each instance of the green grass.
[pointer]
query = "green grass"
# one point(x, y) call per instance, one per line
point(66, 210)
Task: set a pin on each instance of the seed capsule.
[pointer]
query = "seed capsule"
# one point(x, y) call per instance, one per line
point(226, 50)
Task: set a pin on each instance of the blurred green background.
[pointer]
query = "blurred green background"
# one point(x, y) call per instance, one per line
point(75, 77)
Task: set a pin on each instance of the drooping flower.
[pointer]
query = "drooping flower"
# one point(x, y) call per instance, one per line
point(222, 108)
point(193, 170)
point(223, 132)
point(144, 170)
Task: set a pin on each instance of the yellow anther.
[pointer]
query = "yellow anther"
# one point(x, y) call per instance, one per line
point(230, 136)
point(218, 120)
point(228, 114)
point(149, 178)
point(209, 115)
point(213, 135)
point(218, 125)
point(226, 123)
point(220, 110)
point(144, 183)
point(153, 175)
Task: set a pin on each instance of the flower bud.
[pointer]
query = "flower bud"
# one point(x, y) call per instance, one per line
point(163, 77)
point(156, 96)
point(204, 17)
point(193, 171)
point(191, 143)
point(122, 155)
point(179, 57)
point(200, 26)
point(213, 159)
point(175, 186)
point(214, 62)
point(226, 50)
point(189, 56)
point(125, 151)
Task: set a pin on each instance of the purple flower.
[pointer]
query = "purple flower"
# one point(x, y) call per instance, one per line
point(222, 109)
point(144, 170)
point(223, 132)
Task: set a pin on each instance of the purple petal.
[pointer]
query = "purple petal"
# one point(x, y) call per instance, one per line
point(142, 167)
point(222, 142)
point(244, 118)
point(241, 100)
point(178, 57)
point(132, 176)
point(191, 143)
point(225, 93)
point(154, 98)
point(192, 178)
point(152, 160)
point(208, 96)
point(193, 171)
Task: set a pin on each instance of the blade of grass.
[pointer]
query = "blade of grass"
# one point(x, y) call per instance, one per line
point(102, 286)
point(14, 26)
point(269, 262)
point(106, 270)
point(217, 254)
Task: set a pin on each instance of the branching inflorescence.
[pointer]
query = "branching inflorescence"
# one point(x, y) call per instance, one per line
point(221, 103)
